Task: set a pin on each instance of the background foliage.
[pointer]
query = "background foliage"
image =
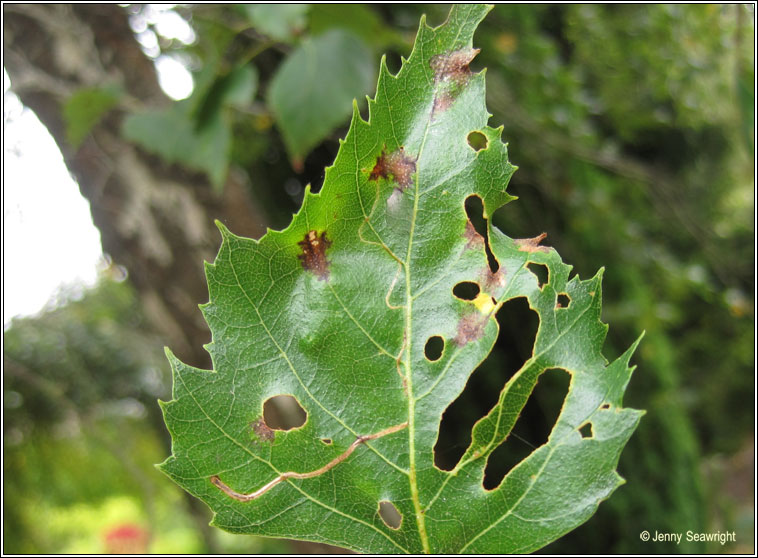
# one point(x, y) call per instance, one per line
point(632, 127)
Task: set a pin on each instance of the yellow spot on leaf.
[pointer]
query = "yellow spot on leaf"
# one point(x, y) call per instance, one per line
point(484, 303)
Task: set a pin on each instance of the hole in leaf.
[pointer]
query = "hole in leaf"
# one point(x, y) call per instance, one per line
point(563, 300)
point(518, 329)
point(477, 141)
point(540, 271)
point(532, 428)
point(283, 412)
point(390, 514)
point(475, 213)
point(466, 290)
point(605, 406)
point(326, 441)
point(586, 430)
point(433, 348)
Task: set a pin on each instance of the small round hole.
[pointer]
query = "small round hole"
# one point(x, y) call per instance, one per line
point(466, 290)
point(477, 141)
point(326, 441)
point(563, 300)
point(283, 412)
point(433, 348)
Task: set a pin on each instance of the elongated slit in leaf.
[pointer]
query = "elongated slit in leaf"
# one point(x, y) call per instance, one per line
point(531, 430)
point(518, 325)
point(475, 213)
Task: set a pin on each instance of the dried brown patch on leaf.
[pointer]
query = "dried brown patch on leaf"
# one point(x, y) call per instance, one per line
point(492, 282)
point(452, 74)
point(470, 327)
point(313, 256)
point(262, 431)
point(474, 240)
point(453, 66)
point(532, 244)
point(397, 165)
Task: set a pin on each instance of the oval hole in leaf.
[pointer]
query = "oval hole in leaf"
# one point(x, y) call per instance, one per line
point(586, 430)
point(283, 412)
point(390, 514)
point(326, 441)
point(514, 346)
point(605, 406)
point(433, 348)
point(541, 272)
point(563, 300)
point(466, 290)
point(477, 141)
point(532, 428)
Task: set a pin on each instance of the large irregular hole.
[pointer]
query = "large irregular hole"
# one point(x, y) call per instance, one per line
point(518, 329)
point(475, 213)
point(477, 141)
point(433, 348)
point(283, 412)
point(540, 271)
point(390, 514)
point(466, 290)
point(532, 428)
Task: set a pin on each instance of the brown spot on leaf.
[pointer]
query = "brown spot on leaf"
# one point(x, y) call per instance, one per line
point(453, 66)
point(532, 244)
point(442, 102)
point(470, 328)
point(493, 281)
point(474, 240)
point(262, 431)
point(397, 165)
point(313, 257)
point(452, 74)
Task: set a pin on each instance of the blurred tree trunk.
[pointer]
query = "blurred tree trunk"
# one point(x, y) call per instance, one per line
point(154, 219)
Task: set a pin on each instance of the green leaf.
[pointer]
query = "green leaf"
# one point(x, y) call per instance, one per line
point(311, 92)
point(336, 311)
point(281, 22)
point(84, 109)
point(197, 132)
point(236, 88)
point(172, 134)
point(358, 18)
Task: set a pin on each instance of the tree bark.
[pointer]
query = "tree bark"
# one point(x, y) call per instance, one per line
point(155, 219)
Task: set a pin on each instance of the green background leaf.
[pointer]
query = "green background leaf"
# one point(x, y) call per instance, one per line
point(311, 92)
point(337, 309)
point(197, 131)
point(85, 108)
point(281, 22)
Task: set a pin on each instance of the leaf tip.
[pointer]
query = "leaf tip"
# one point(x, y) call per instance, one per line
point(225, 232)
point(169, 354)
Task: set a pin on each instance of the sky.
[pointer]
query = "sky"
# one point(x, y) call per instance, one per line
point(49, 239)
point(50, 244)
